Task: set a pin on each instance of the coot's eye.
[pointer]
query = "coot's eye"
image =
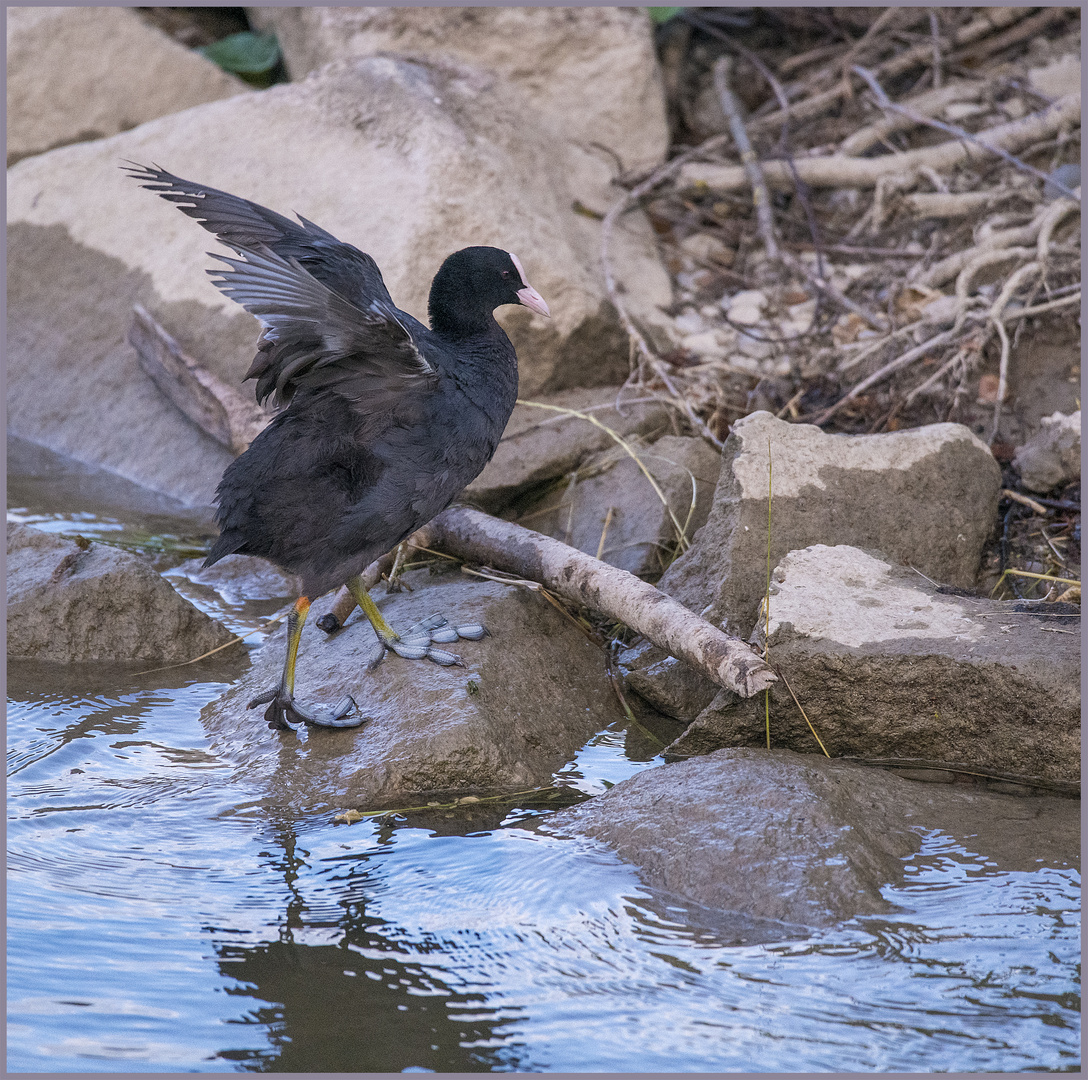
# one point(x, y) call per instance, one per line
point(506, 273)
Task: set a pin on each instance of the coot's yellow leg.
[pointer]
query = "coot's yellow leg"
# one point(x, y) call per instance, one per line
point(283, 711)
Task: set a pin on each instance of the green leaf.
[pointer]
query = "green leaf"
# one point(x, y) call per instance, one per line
point(663, 14)
point(246, 53)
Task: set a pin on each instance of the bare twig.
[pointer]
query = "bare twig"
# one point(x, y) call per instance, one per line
point(928, 103)
point(889, 369)
point(985, 23)
point(760, 196)
point(639, 343)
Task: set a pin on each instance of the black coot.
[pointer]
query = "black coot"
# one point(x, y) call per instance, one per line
point(385, 419)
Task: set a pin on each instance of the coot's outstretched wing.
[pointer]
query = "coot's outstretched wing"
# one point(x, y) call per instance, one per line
point(327, 316)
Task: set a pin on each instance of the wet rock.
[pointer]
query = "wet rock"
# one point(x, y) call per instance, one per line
point(447, 156)
point(886, 665)
point(926, 497)
point(612, 509)
point(79, 73)
point(801, 839)
point(528, 698)
point(540, 445)
point(1052, 456)
point(74, 600)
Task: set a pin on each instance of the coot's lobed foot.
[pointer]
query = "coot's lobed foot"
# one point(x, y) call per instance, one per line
point(285, 714)
point(419, 640)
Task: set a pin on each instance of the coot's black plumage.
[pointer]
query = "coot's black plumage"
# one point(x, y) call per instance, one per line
point(385, 419)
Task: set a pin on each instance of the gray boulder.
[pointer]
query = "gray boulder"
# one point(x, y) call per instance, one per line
point(611, 508)
point(1051, 456)
point(528, 697)
point(804, 840)
point(407, 160)
point(74, 600)
point(79, 73)
point(886, 665)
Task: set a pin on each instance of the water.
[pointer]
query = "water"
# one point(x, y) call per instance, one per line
point(160, 918)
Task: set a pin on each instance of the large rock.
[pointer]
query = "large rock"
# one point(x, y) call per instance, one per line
point(79, 73)
point(611, 507)
point(887, 666)
point(1052, 456)
point(590, 72)
point(801, 839)
point(73, 600)
point(528, 698)
point(407, 160)
point(927, 497)
point(541, 444)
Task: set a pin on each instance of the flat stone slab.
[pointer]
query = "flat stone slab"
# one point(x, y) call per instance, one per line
point(886, 665)
point(527, 699)
point(804, 840)
point(71, 601)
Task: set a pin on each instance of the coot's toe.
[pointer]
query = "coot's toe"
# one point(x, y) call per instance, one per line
point(285, 714)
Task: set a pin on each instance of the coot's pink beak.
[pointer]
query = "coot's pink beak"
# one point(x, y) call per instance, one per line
point(533, 300)
point(529, 296)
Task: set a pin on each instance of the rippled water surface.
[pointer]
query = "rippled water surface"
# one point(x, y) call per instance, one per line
point(161, 918)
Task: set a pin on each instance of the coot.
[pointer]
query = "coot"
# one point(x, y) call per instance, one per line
point(383, 421)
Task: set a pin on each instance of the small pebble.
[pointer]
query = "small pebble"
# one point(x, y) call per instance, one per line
point(689, 322)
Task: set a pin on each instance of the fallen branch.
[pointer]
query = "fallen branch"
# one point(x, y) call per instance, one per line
point(478, 538)
point(836, 170)
point(942, 204)
point(216, 408)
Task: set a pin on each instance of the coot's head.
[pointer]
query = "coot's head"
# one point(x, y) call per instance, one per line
point(472, 282)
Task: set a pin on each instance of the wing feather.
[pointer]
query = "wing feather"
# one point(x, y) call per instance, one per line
point(325, 313)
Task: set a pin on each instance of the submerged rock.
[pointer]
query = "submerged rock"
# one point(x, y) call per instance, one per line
point(527, 699)
point(74, 600)
point(802, 839)
point(886, 665)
